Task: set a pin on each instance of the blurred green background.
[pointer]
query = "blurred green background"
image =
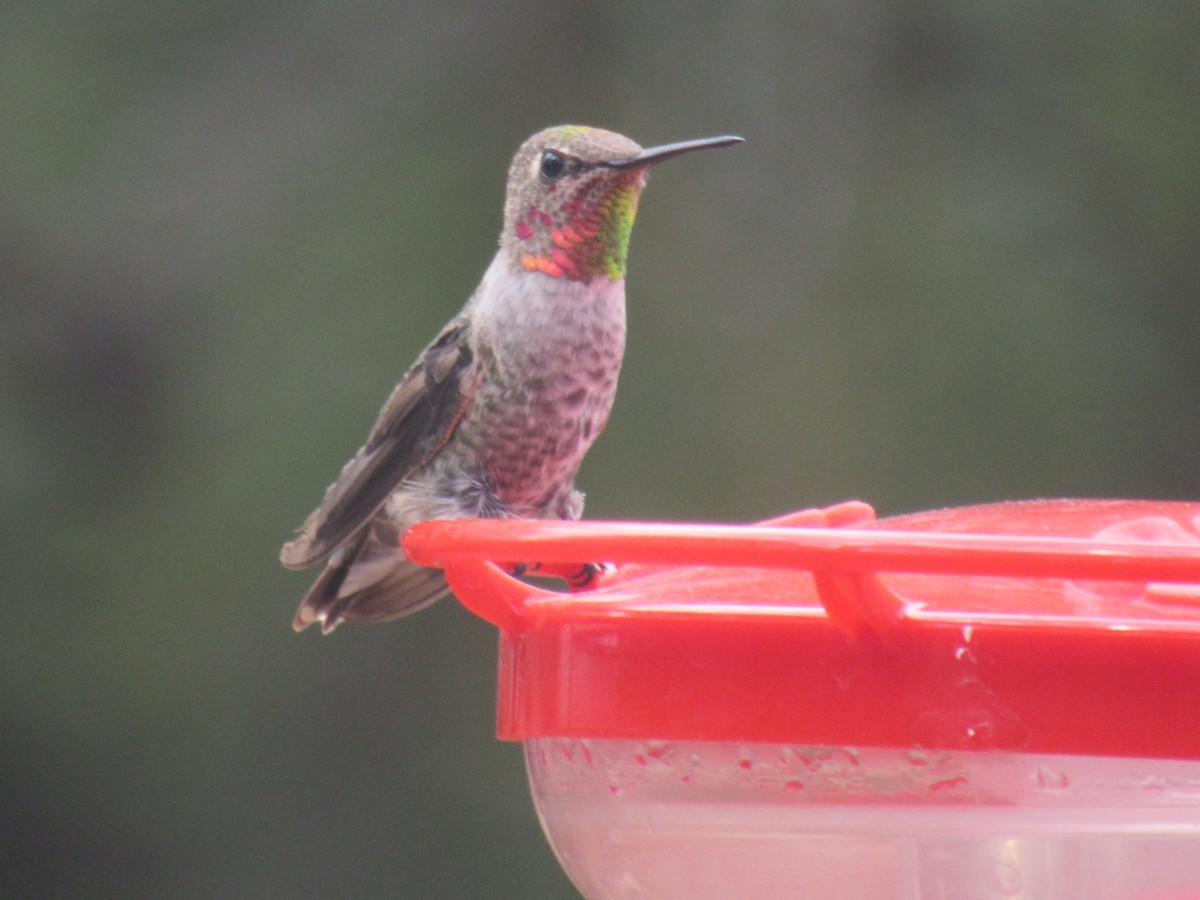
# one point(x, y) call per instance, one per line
point(957, 261)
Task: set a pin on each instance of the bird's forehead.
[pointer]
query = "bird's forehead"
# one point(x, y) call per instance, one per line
point(583, 142)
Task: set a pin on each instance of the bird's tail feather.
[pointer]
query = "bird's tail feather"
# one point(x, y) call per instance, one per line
point(369, 581)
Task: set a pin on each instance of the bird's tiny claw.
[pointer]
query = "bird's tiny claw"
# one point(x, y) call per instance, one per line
point(587, 575)
point(519, 570)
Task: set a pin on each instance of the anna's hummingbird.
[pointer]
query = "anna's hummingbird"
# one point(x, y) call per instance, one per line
point(495, 416)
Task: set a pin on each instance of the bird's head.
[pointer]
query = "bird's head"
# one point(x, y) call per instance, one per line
point(572, 197)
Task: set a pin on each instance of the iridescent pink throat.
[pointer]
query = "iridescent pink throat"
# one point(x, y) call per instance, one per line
point(588, 235)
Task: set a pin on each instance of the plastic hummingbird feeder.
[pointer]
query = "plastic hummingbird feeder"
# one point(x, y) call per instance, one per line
point(993, 701)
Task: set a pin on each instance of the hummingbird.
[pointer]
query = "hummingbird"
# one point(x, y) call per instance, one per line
point(495, 416)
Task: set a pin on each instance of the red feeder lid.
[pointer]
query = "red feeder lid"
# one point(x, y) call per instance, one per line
point(1056, 626)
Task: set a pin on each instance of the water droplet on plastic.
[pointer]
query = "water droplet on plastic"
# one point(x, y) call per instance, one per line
point(658, 749)
point(1049, 779)
point(949, 784)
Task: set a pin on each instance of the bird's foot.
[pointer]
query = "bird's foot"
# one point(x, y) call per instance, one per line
point(584, 576)
point(577, 577)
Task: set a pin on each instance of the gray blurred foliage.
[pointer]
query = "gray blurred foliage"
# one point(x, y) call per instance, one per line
point(956, 262)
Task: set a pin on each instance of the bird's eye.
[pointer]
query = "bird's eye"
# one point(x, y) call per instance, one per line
point(553, 164)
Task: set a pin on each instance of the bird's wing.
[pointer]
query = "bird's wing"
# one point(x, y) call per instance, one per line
point(415, 423)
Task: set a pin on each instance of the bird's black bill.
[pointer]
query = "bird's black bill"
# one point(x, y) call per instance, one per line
point(652, 155)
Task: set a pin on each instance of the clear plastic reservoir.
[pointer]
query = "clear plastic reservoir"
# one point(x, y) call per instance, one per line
point(714, 820)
